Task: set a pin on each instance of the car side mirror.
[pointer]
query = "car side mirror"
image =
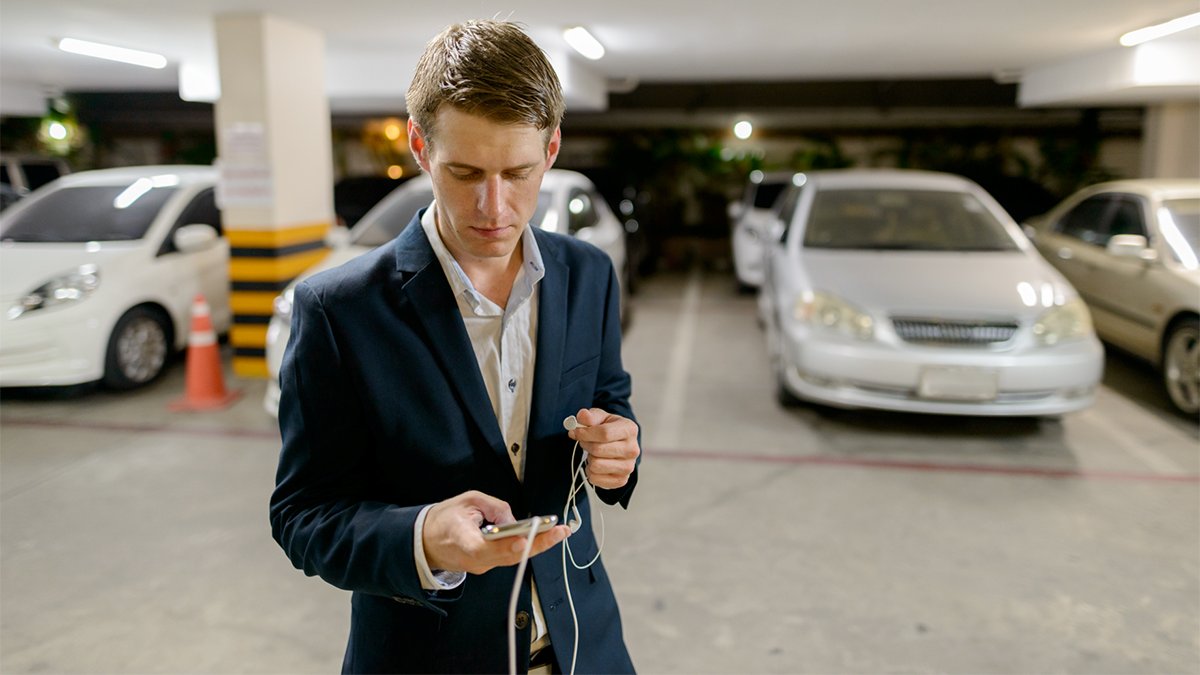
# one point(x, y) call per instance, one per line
point(1131, 246)
point(195, 237)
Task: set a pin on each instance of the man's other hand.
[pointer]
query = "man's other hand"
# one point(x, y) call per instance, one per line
point(612, 446)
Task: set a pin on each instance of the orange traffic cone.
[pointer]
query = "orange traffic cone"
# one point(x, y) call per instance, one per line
point(205, 382)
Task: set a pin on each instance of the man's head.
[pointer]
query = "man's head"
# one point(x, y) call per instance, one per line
point(490, 69)
point(484, 111)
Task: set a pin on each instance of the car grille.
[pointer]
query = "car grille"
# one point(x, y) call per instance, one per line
point(954, 332)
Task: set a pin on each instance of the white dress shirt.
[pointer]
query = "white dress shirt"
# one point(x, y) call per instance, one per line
point(504, 341)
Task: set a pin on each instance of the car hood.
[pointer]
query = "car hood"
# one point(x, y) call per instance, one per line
point(25, 266)
point(948, 285)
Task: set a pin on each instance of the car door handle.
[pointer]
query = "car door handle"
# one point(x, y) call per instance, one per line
point(1065, 253)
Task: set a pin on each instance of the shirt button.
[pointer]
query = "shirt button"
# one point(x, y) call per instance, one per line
point(522, 620)
point(516, 447)
point(512, 385)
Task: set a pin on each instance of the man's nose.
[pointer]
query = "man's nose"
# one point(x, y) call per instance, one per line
point(491, 198)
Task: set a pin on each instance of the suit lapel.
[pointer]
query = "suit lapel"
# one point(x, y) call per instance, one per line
point(551, 342)
point(426, 288)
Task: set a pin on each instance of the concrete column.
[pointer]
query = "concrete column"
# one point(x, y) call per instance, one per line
point(275, 154)
point(1171, 142)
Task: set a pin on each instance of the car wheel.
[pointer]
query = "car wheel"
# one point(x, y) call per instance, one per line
point(137, 349)
point(1181, 366)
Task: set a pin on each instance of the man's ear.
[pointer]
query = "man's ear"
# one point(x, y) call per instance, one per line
point(418, 145)
point(553, 146)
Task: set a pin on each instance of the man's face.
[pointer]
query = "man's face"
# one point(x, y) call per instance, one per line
point(486, 178)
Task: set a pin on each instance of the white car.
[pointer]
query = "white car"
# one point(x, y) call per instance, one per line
point(750, 218)
point(1132, 249)
point(568, 203)
point(915, 291)
point(98, 271)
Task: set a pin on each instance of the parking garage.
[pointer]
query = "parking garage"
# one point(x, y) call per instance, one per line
point(772, 529)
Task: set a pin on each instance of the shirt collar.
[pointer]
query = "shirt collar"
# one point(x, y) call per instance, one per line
point(533, 269)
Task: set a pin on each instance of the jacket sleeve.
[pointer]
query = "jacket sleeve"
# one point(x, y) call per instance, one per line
point(613, 384)
point(326, 511)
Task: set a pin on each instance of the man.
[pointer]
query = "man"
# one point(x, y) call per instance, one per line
point(426, 383)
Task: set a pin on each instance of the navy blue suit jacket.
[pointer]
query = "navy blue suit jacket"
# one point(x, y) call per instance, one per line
point(383, 410)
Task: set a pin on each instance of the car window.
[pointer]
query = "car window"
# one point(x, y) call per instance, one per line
point(390, 217)
point(4, 178)
point(89, 213)
point(1179, 222)
point(581, 211)
point(1087, 220)
point(767, 193)
point(1125, 218)
point(202, 210)
point(896, 219)
point(785, 208)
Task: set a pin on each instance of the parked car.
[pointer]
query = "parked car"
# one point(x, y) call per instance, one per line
point(750, 217)
point(20, 174)
point(353, 196)
point(98, 272)
point(567, 203)
point(1131, 249)
point(914, 291)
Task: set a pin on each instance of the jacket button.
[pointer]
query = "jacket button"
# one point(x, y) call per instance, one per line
point(522, 621)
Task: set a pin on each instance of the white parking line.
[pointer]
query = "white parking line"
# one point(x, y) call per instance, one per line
point(674, 397)
point(1136, 447)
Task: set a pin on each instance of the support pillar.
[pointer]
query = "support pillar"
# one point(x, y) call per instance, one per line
point(1171, 141)
point(275, 155)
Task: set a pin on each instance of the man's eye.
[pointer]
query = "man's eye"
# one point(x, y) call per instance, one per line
point(518, 176)
point(465, 175)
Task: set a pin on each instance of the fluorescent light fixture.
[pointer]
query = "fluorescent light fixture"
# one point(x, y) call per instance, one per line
point(1156, 31)
point(583, 42)
point(102, 51)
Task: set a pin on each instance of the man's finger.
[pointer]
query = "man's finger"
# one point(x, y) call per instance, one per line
point(494, 510)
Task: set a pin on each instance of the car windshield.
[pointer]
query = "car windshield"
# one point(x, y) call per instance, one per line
point(908, 220)
point(390, 217)
point(89, 213)
point(1184, 214)
point(767, 193)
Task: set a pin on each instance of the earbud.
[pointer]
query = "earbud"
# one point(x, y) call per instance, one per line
point(571, 424)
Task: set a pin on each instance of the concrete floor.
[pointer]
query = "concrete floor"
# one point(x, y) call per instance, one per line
point(759, 540)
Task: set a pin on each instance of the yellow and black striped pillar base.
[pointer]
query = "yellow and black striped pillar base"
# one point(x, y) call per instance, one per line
point(262, 263)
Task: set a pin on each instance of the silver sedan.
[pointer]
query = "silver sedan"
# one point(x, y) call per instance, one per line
point(1132, 248)
point(915, 291)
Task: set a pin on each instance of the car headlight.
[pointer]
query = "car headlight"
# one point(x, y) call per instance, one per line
point(283, 305)
point(829, 312)
point(1069, 321)
point(64, 289)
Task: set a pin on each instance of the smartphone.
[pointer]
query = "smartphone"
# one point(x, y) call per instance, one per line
point(520, 528)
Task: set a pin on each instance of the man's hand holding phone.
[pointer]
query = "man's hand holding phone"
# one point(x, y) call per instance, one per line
point(454, 541)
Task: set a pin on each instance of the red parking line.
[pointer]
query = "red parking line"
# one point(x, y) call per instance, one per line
point(703, 455)
point(143, 428)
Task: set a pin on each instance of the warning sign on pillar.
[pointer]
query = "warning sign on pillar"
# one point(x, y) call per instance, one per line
point(244, 168)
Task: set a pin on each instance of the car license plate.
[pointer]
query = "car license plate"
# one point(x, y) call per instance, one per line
point(957, 384)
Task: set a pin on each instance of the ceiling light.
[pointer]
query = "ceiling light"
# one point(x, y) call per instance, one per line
point(743, 129)
point(102, 51)
point(1154, 32)
point(583, 42)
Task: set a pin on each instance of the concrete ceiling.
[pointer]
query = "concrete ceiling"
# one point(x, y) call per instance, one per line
point(371, 45)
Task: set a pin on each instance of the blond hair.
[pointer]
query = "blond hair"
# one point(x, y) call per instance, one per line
point(487, 68)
